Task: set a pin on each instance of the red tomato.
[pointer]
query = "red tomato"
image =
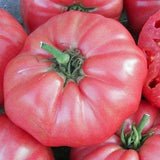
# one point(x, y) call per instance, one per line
point(12, 37)
point(35, 13)
point(114, 149)
point(73, 103)
point(138, 11)
point(15, 144)
point(149, 42)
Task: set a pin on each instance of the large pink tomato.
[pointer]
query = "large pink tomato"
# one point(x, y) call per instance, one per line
point(85, 91)
point(15, 144)
point(35, 13)
point(12, 37)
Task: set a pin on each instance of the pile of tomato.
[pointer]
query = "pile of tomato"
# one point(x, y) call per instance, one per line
point(76, 81)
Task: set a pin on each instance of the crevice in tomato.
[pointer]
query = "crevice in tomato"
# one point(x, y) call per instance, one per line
point(157, 24)
point(154, 82)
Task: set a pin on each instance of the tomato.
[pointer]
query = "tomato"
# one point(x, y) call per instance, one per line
point(113, 148)
point(34, 13)
point(96, 74)
point(12, 37)
point(138, 12)
point(16, 144)
point(149, 39)
point(149, 42)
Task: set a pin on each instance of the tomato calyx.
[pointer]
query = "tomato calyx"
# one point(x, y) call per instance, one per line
point(80, 7)
point(67, 62)
point(134, 139)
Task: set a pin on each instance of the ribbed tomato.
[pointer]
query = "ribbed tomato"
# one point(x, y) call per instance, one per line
point(94, 78)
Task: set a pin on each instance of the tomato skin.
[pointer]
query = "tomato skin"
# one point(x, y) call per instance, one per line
point(111, 149)
point(12, 37)
point(16, 144)
point(80, 113)
point(149, 149)
point(138, 12)
point(35, 13)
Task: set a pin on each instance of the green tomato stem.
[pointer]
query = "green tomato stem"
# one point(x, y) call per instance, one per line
point(122, 134)
point(134, 138)
point(142, 123)
point(67, 63)
point(61, 57)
